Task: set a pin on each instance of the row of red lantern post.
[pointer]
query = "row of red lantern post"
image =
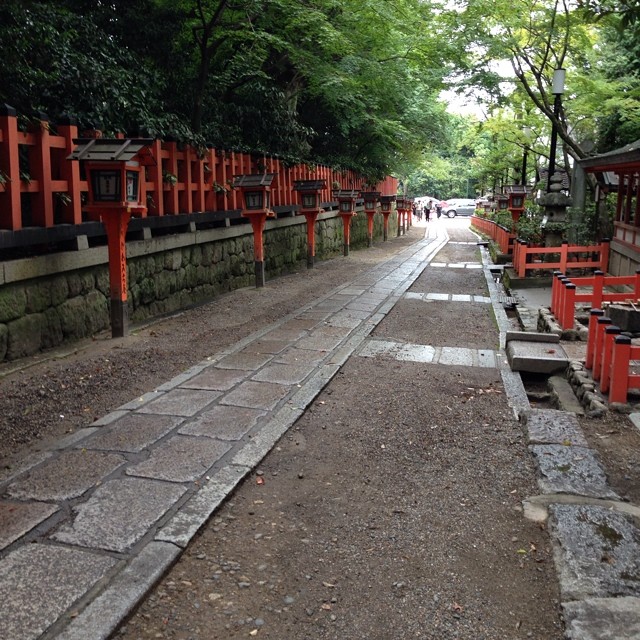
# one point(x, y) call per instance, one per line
point(114, 171)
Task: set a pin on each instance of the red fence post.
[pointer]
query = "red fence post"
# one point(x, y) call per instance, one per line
point(555, 292)
point(610, 334)
point(619, 379)
point(568, 311)
point(564, 255)
point(40, 156)
point(601, 325)
point(605, 248)
point(597, 295)
point(594, 315)
point(70, 171)
point(10, 207)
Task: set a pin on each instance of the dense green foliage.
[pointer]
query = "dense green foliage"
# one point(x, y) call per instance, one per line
point(351, 83)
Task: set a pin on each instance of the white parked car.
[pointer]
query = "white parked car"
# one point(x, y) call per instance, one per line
point(459, 207)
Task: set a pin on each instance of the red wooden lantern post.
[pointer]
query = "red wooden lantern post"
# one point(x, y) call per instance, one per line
point(408, 212)
point(371, 199)
point(385, 207)
point(256, 193)
point(310, 191)
point(401, 205)
point(502, 203)
point(347, 205)
point(115, 175)
point(517, 194)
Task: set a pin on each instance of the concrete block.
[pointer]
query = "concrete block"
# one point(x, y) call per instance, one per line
point(536, 357)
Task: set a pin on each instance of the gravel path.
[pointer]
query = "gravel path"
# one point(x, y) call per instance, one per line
point(391, 510)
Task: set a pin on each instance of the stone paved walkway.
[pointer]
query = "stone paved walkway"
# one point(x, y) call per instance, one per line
point(88, 527)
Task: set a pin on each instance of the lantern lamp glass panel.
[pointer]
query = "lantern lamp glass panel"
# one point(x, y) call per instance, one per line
point(503, 204)
point(253, 199)
point(370, 205)
point(106, 185)
point(516, 201)
point(345, 205)
point(309, 200)
point(385, 206)
point(132, 186)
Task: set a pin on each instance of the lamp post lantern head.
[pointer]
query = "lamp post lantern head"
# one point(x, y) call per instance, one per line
point(371, 199)
point(557, 85)
point(113, 172)
point(385, 203)
point(502, 202)
point(347, 200)
point(309, 191)
point(517, 194)
point(256, 192)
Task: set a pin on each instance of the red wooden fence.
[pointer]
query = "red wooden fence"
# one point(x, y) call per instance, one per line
point(599, 288)
point(526, 258)
point(503, 237)
point(34, 165)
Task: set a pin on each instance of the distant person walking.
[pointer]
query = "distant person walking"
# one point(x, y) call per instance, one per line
point(438, 209)
point(426, 212)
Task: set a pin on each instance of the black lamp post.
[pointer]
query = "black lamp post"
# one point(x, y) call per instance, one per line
point(557, 88)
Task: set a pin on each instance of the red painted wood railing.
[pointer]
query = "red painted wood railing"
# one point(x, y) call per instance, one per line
point(501, 236)
point(624, 368)
point(527, 258)
point(34, 164)
point(566, 292)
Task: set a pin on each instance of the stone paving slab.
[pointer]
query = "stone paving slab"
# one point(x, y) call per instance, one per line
point(456, 356)
point(603, 619)
point(52, 480)
point(180, 459)
point(596, 550)
point(38, 583)
point(294, 355)
point(571, 470)
point(102, 617)
point(224, 422)
point(198, 509)
point(256, 395)
point(245, 361)
point(132, 433)
point(268, 344)
point(18, 518)
point(289, 374)
point(119, 513)
point(216, 379)
point(320, 342)
point(180, 402)
point(549, 426)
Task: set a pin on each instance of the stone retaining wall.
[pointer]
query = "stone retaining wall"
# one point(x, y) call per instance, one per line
point(55, 299)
